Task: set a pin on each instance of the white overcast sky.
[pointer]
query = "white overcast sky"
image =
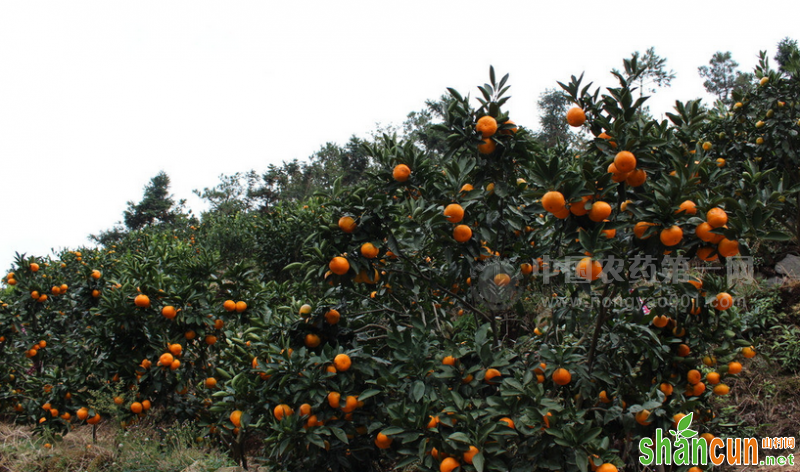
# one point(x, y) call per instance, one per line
point(96, 97)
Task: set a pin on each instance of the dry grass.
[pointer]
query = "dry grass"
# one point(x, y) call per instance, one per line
point(137, 450)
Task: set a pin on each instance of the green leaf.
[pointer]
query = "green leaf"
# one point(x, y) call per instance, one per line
point(478, 461)
point(367, 394)
point(685, 422)
point(418, 390)
point(459, 437)
point(776, 236)
point(392, 430)
point(339, 433)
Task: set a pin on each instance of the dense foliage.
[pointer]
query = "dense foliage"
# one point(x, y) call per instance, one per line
point(473, 300)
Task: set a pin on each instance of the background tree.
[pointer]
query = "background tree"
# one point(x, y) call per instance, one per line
point(157, 205)
point(653, 73)
point(787, 53)
point(721, 76)
point(553, 128)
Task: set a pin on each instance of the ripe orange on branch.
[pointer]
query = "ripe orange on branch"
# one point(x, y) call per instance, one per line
point(401, 172)
point(454, 213)
point(576, 117)
point(487, 126)
point(625, 161)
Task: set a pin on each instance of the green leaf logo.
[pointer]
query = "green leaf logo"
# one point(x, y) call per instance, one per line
point(683, 428)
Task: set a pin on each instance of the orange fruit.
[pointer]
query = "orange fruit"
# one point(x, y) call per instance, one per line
point(218, 324)
point(347, 224)
point(728, 248)
point(462, 233)
point(748, 352)
point(211, 382)
point(734, 367)
point(561, 376)
point(449, 360)
point(241, 307)
point(119, 400)
point(369, 251)
point(688, 207)
point(579, 208)
point(142, 301)
point(350, 404)
point(491, 374)
point(526, 268)
point(603, 135)
point(342, 362)
point(660, 321)
point(339, 265)
point(210, 339)
point(467, 188)
point(401, 172)
point(189, 335)
point(721, 389)
point(683, 350)
point(713, 378)
point(282, 411)
point(169, 312)
point(553, 201)
point(501, 280)
point(166, 359)
point(486, 125)
point(607, 467)
point(448, 465)
point(671, 236)
point(508, 421)
point(576, 117)
point(305, 409)
point(94, 419)
point(636, 178)
point(454, 213)
point(96, 274)
point(666, 388)
point(82, 413)
point(229, 305)
point(640, 228)
point(599, 211)
point(136, 407)
point(34, 267)
point(693, 376)
point(707, 254)
point(588, 269)
point(175, 349)
point(175, 365)
point(487, 147)
point(642, 417)
point(332, 317)
point(703, 231)
point(383, 441)
point(509, 131)
point(562, 214)
point(146, 405)
point(604, 397)
point(312, 340)
point(469, 455)
point(236, 418)
point(723, 301)
point(333, 399)
point(717, 217)
point(625, 161)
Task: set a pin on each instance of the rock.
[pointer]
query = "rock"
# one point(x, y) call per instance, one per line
point(790, 267)
point(775, 281)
